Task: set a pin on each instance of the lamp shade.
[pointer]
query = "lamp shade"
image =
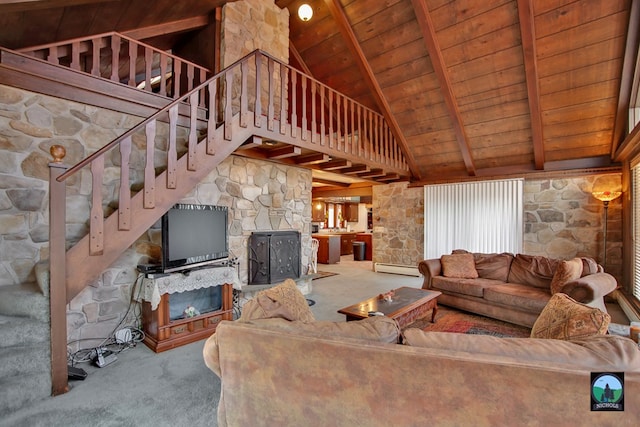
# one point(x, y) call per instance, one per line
point(606, 196)
point(305, 12)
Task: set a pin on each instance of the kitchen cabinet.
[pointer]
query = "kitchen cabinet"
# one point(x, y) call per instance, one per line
point(318, 211)
point(346, 243)
point(328, 248)
point(351, 212)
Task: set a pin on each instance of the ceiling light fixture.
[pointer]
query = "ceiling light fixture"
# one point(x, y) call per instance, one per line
point(305, 12)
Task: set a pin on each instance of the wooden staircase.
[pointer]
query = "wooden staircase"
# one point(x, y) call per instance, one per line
point(258, 107)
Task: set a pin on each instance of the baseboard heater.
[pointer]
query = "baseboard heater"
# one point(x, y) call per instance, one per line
point(406, 270)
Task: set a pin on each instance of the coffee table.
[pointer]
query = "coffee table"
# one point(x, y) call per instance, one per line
point(406, 306)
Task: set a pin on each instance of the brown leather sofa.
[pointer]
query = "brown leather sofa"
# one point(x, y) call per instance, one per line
point(275, 372)
point(513, 288)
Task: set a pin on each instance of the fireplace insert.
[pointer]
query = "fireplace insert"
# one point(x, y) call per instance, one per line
point(274, 256)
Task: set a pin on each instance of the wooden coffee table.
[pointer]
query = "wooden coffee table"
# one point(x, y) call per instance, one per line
point(406, 306)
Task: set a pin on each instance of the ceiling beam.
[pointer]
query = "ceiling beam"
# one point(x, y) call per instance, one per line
point(298, 58)
point(172, 27)
point(335, 164)
point(284, 152)
point(355, 169)
point(373, 173)
point(627, 77)
point(528, 34)
point(329, 182)
point(336, 10)
point(437, 60)
point(342, 192)
point(26, 5)
point(312, 159)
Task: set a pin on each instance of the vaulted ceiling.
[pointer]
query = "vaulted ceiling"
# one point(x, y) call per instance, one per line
point(471, 88)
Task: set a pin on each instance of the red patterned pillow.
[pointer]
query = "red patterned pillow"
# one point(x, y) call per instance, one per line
point(461, 266)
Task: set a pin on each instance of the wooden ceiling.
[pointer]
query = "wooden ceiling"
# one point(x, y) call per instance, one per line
point(471, 88)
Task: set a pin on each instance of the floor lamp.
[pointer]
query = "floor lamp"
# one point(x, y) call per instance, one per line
point(605, 197)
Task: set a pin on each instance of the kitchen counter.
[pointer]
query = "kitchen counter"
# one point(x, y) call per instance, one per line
point(328, 248)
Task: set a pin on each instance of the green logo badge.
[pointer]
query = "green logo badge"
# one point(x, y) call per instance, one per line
point(607, 391)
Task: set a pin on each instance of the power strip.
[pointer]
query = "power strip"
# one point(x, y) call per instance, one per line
point(104, 358)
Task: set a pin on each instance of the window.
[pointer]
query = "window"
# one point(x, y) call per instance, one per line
point(481, 216)
point(635, 196)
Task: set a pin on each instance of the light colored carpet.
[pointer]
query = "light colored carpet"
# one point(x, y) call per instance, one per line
point(143, 388)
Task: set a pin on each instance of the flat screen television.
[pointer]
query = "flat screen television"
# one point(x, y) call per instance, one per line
point(194, 236)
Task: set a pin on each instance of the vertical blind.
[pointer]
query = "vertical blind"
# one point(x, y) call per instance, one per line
point(635, 196)
point(481, 216)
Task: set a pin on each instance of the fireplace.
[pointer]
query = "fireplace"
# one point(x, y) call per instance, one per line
point(273, 256)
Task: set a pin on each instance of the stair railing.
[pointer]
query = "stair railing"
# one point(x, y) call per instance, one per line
point(257, 93)
point(122, 59)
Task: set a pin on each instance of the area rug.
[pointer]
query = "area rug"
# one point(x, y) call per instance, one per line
point(452, 320)
point(323, 274)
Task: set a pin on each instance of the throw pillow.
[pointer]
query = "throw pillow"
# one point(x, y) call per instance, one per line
point(284, 300)
point(493, 266)
point(533, 270)
point(589, 266)
point(564, 318)
point(461, 266)
point(566, 272)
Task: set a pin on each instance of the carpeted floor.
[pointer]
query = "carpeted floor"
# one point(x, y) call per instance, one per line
point(452, 320)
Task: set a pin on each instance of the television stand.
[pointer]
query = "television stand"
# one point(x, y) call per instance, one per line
point(162, 333)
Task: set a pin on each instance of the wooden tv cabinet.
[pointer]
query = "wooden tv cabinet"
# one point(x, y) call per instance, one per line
point(162, 334)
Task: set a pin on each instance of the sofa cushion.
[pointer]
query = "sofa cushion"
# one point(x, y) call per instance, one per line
point(593, 353)
point(458, 265)
point(374, 328)
point(566, 272)
point(284, 300)
point(493, 266)
point(564, 318)
point(471, 287)
point(522, 297)
point(533, 270)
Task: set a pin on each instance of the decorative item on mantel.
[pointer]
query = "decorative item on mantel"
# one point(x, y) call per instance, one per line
point(387, 296)
point(605, 197)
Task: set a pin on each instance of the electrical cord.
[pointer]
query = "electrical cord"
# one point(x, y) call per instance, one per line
point(110, 343)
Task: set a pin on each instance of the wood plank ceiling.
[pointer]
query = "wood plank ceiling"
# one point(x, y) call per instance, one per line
point(472, 88)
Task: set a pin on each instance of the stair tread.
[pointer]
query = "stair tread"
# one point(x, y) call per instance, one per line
point(21, 359)
point(16, 330)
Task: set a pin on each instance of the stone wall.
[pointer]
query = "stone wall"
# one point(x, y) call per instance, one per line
point(248, 25)
point(261, 196)
point(398, 224)
point(561, 220)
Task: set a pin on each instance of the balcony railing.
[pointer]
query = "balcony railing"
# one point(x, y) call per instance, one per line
point(124, 60)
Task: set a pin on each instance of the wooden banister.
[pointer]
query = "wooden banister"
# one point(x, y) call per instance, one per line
point(83, 54)
point(334, 125)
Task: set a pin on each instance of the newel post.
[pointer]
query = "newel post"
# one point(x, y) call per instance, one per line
point(57, 272)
